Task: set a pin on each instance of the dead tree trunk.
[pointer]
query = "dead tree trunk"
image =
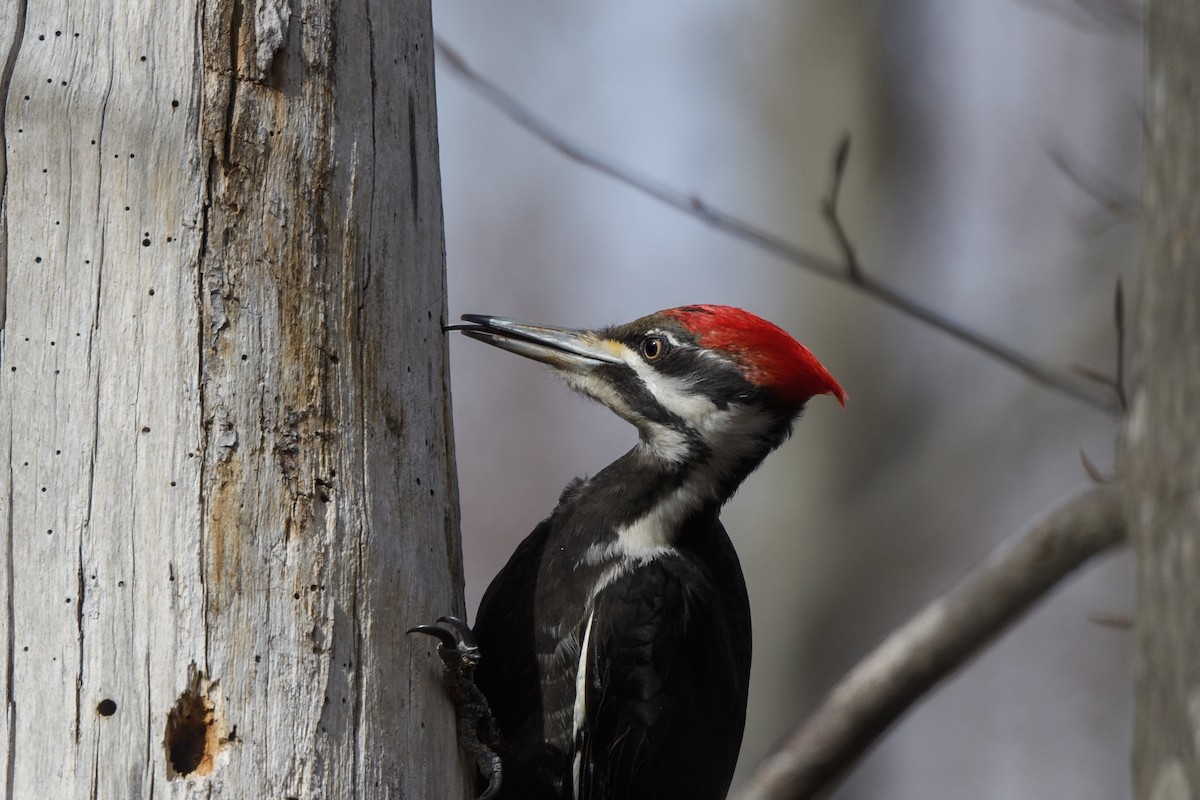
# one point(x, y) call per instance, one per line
point(226, 469)
point(1161, 439)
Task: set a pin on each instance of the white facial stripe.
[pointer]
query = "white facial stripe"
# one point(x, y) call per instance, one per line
point(729, 434)
point(732, 435)
point(675, 394)
point(587, 383)
point(669, 444)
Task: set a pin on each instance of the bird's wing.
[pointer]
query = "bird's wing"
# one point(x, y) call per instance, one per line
point(508, 674)
point(665, 681)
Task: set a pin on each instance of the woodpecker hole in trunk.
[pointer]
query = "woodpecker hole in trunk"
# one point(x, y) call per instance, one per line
point(195, 730)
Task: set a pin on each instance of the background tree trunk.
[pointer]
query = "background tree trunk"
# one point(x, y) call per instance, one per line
point(1161, 442)
point(226, 469)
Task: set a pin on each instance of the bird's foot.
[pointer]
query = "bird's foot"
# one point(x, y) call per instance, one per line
point(477, 731)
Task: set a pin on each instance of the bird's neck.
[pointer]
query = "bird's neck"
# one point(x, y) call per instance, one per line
point(647, 496)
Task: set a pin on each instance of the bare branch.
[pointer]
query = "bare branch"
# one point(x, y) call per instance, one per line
point(1110, 197)
point(926, 650)
point(1058, 380)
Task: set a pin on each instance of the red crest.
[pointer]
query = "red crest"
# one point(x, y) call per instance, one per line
point(767, 354)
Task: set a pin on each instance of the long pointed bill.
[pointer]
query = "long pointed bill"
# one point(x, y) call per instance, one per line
point(563, 348)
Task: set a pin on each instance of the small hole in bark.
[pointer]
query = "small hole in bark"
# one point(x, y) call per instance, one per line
point(106, 708)
point(145, 429)
point(152, 293)
point(174, 104)
point(195, 730)
point(145, 242)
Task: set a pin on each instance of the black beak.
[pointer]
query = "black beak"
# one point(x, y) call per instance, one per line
point(562, 348)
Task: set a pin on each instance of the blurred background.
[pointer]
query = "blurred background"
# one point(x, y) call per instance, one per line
point(994, 175)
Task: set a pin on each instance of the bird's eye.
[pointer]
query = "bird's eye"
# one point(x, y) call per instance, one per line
point(653, 348)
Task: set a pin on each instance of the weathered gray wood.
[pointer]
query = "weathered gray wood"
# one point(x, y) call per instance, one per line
point(1161, 439)
point(226, 474)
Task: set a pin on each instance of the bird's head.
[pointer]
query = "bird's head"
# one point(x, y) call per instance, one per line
point(696, 380)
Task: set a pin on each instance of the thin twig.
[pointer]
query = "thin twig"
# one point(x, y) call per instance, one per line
point(854, 274)
point(1091, 469)
point(829, 210)
point(1058, 380)
point(931, 646)
point(1119, 323)
point(1110, 198)
point(1115, 384)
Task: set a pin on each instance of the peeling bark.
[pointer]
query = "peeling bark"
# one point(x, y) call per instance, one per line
point(226, 473)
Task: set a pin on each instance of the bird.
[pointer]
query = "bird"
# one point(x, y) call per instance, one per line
point(613, 649)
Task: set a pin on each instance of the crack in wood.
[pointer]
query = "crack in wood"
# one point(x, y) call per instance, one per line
point(10, 655)
point(14, 49)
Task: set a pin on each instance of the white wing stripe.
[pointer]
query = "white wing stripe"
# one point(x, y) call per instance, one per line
point(580, 702)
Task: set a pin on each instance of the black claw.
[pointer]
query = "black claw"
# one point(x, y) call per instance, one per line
point(465, 634)
point(477, 733)
point(493, 788)
point(447, 638)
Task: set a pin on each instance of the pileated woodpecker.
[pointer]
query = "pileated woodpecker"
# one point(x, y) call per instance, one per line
point(614, 647)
